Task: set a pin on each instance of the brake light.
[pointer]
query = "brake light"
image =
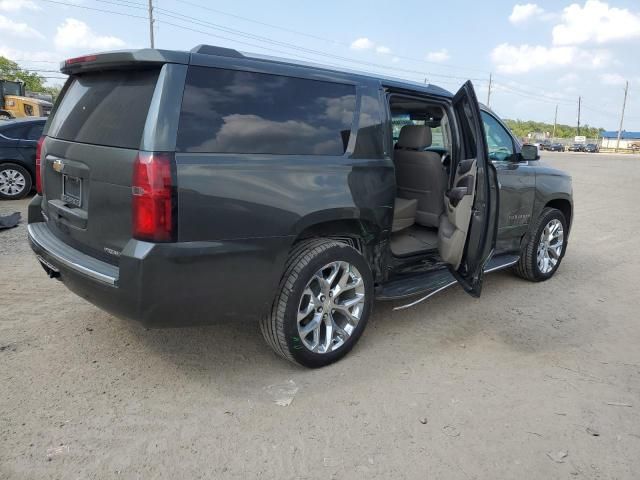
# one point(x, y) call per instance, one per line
point(38, 163)
point(85, 58)
point(153, 189)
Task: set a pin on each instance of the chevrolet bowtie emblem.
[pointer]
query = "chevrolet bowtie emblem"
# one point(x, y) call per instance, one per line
point(58, 165)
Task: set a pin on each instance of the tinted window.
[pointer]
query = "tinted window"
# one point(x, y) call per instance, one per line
point(35, 132)
point(106, 108)
point(465, 116)
point(370, 136)
point(230, 111)
point(499, 141)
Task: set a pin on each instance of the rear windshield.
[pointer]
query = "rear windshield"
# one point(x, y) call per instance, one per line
point(105, 108)
point(229, 111)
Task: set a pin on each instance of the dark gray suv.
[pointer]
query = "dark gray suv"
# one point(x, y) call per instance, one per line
point(180, 188)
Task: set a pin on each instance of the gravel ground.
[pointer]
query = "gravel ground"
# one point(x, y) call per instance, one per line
point(537, 381)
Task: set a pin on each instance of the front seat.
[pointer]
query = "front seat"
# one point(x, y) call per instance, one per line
point(419, 174)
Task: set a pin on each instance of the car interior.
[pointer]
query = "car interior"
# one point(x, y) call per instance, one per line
point(421, 146)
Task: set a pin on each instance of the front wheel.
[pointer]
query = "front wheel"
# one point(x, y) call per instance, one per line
point(543, 252)
point(323, 304)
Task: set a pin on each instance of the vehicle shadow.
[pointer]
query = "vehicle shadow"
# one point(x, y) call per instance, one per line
point(511, 314)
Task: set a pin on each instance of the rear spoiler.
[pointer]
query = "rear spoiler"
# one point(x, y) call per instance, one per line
point(122, 59)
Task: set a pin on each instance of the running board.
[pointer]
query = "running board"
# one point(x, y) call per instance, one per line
point(435, 281)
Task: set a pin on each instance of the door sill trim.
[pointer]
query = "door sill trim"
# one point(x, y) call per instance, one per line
point(508, 261)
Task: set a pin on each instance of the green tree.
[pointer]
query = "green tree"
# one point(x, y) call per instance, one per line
point(10, 70)
point(521, 128)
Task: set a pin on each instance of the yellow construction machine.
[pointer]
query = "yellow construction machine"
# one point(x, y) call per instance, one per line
point(14, 103)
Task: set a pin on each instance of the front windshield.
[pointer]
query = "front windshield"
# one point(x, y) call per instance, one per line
point(12, 88)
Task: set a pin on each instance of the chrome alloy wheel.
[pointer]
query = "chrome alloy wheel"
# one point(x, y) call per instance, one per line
point(331, 306)
point(550, 246)
point(12, 182)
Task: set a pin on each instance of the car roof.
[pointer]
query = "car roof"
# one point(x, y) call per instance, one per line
point(153, 56)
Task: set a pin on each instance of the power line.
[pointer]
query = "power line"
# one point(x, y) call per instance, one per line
point(181, 17)
point(316, 37)
point(266, 43)
point(95, 9)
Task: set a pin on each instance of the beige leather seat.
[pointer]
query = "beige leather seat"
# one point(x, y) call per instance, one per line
point(404, 214)
point(420, 175)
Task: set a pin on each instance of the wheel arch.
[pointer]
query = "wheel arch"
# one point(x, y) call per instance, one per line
point(564, 205)
point(363, 234)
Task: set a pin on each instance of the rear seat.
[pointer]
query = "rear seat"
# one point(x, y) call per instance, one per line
point(404, 213)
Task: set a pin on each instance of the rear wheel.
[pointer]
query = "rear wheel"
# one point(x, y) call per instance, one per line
point(545, 248)
point(15, 181)
point(323, 304)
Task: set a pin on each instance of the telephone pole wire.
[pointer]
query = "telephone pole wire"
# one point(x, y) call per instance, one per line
point(489, 91)
point(624, 104)
point(151, 20)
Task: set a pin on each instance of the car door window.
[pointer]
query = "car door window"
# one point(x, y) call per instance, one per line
point(499, 141)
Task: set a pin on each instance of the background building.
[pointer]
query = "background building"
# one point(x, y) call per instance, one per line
point(627, 140)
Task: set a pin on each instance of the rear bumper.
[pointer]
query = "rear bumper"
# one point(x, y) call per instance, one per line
point(170, 285)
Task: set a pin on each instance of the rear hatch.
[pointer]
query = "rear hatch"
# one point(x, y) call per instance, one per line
point(92, 142)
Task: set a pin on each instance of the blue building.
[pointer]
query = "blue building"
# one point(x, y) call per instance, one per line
point(627, 139)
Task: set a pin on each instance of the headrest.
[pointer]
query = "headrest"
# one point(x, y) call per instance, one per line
point(415, 137)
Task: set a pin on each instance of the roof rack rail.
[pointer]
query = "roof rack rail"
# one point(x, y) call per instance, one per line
point(219, 51)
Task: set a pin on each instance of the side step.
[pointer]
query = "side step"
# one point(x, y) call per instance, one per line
point(429, 283)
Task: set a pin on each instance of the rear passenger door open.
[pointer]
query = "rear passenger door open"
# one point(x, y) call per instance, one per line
point(468, 227)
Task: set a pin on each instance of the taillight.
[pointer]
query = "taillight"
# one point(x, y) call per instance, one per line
point(153, 189)
point(38, 162)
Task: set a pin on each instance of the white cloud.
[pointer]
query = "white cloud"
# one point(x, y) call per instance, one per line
point(441, 55)
point(362, 43)
point(568, 78)
point(16, 29)
point(74, 34)
point(525, 58)
point(613, 79)
point(21, 55)
point(595, 22)
point(522, 13)
point(15, 5)
point(383, 50)
point(395, 59)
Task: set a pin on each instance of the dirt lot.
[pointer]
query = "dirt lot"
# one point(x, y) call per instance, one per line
point(456, 388)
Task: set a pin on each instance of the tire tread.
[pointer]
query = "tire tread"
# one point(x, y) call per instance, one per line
point(272, 324)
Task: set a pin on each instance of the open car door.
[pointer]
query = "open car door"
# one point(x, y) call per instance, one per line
point(468, 227)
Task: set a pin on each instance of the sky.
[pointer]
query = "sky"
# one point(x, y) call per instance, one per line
point(538, 55)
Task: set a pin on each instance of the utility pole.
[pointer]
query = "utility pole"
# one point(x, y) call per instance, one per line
point(579, 100)
point(489, 90)
point(624, 104)
point(151, 20)
point(555, 121)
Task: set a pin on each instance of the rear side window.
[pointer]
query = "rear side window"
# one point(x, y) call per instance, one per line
point(229, 111)
point(105, 108)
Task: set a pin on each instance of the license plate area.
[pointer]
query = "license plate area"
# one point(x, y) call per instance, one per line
point(72, 190)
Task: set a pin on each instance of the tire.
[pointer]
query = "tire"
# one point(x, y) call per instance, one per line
point(529, 267)
point(307, 275)
point(4, 116)
point(15, 182)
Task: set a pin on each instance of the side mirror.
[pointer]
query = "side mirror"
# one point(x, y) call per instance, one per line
point(529, 152)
